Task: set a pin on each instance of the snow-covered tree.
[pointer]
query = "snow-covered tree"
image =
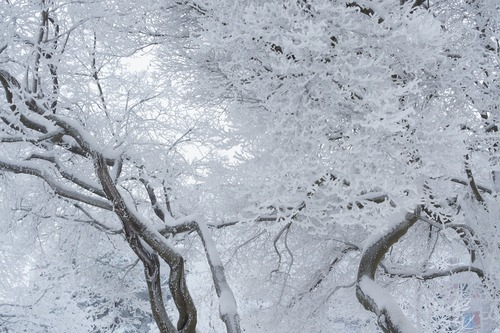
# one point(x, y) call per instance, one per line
point(367, 127)
point(88, 141)
point(344, 154)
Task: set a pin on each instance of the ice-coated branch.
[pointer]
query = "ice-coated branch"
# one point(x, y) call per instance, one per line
point(465, 232)
point(372, 296)
point(227, 302)
point(321, 275)
point(152, 198)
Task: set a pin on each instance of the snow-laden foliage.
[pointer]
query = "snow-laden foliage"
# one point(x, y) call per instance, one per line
point(343, 113)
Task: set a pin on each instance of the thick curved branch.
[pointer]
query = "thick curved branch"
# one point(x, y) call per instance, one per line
point(151, 265)
point(372, 296)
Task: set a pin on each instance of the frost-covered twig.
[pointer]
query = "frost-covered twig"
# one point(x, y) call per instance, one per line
point(97, 224)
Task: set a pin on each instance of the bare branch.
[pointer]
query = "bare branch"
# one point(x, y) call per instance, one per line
point(152, 198)
point(177, 280)
point(283, 230)
point(95, 75)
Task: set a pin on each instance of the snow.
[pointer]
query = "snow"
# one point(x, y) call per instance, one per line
point(227, 303)
point(210, 248)
point(386, 304)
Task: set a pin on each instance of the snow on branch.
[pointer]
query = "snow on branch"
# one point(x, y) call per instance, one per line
point(390, 317)
point(227, 302)
point(33, 169)
point(433, 273)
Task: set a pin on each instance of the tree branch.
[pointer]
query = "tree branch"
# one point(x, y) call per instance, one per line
point(369, 293)
point(465, 183)
point(432, 274)
point(472, 182)
point(177, 281)
point(28, 168)
point(227, 302)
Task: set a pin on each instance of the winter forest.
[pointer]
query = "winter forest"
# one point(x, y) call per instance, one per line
point(259, 166)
